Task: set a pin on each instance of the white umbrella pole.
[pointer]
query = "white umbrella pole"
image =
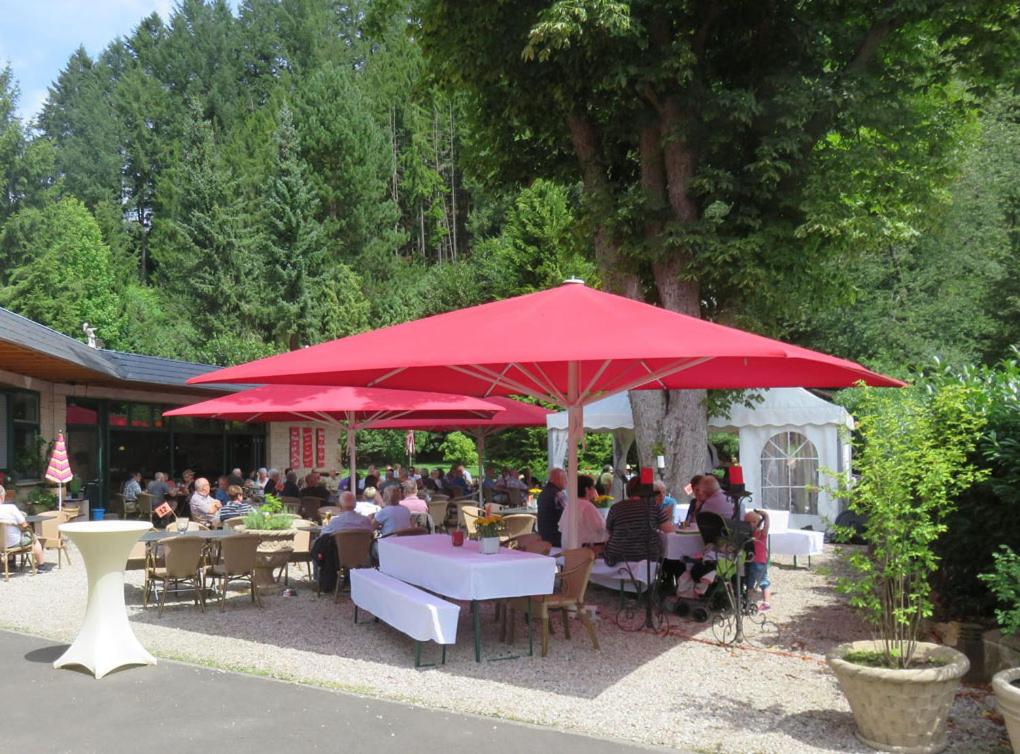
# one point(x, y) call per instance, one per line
point(480, 448)
point(575, 430)
point(60, 497)
point(352, 456)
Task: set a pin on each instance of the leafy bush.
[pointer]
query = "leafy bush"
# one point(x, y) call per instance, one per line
point(269, 516)
point(1004, 583)
point(459, 448)
point(984, 515)
point(912, 454)
point(42, 497)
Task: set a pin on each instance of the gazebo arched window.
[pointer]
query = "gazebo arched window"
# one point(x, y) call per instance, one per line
point(789, 473)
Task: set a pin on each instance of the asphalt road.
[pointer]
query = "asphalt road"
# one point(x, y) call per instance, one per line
point(180, 708)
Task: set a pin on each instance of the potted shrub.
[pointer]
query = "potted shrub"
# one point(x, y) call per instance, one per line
point(41, 500)
point(275, 530)
point(1004, 582)
point(912, 457)
point(489, 528)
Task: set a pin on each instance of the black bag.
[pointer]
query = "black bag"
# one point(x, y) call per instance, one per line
point(324, 554)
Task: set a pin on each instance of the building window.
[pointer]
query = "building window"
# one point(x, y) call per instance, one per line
point(28, 446)
point(789, 474)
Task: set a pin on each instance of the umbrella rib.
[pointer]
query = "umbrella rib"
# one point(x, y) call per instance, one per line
point(492, 385)
point(548, 383)
point(657, 375)
point(657, 379)
point(501, 380)
point(383, 378)
point(595, 378)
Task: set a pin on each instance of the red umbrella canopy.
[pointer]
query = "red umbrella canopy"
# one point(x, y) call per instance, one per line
point(569, 345)
point(514, 414)
point(357, 407)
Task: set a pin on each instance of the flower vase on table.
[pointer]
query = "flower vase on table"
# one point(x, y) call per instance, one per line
point(489, 529)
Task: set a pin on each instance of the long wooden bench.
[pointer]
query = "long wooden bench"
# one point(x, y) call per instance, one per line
point(420, 615)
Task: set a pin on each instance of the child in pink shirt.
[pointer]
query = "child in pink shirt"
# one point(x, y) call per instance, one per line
point(756, 569)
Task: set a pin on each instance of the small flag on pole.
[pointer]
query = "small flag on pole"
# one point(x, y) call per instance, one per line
point(163, 510)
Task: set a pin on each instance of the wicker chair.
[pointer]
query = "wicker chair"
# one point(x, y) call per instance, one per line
point(238, 554)
point(309, 507)
point(517, 497)
point(6, 553)
point(438, 510)
point(471, 514)
point(145, 504)
point(51, 538)
point(353, 550)
point(291, 504)
point(519, 523)
point(413, 531)
point(182, 563)
point(573, 584)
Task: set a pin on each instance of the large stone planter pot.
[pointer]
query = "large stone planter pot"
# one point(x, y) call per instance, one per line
point(901, 710)
point(1008, 698)
point(275, 547)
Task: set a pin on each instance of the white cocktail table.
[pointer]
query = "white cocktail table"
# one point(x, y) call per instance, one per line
point(105, 641)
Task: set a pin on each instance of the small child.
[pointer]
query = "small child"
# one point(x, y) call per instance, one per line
point(756, 569)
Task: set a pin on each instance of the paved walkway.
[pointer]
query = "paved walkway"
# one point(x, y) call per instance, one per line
point(180, 709)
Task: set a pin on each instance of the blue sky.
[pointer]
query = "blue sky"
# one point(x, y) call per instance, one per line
point(37, 36)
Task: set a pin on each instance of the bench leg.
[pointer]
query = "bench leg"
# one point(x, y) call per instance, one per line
point(531, 630)
point(355, 613)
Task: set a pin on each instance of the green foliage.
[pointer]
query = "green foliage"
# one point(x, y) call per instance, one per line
point(42, 498)
point(269, 516)
point(459, 448)
point(59, 271)
point(1004, 582)
point(912, 455)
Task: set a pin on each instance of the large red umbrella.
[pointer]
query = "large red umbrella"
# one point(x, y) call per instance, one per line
point(352, 408)
point(515, 414)
point(569, 345)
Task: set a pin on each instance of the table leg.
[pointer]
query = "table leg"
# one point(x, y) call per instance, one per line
point(531, 630)
point(477, 620)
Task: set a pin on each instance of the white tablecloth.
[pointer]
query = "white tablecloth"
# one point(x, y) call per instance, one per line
point(421, 616)
point(681, 544)
point(366, 509)
point(463, 573)
point(631, 576)
point(796, 542)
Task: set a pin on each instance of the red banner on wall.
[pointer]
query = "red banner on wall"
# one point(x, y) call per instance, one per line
point(306, 447)
point(295, 447)
point(320, 448)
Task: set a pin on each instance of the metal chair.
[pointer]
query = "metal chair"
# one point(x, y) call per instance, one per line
point(51, 538)
point(353, 550)
point(182, 557)
point(6, 553)
point(302, 552)
point(237, 563)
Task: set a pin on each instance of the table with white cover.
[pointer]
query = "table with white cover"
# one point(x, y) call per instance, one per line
point(105, 641)
point(463, 573)
point(682, 543)
point(786, 541)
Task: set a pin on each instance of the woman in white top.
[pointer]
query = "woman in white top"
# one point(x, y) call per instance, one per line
point(591, 527)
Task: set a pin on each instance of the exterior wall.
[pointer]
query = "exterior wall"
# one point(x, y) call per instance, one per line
point(278, 446)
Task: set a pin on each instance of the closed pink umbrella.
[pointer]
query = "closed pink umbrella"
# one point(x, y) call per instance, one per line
point(59, 470)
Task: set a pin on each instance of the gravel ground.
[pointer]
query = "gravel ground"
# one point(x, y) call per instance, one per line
point(675, 688)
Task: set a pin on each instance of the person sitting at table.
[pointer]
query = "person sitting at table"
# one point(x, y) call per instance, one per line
point(203, 506)
point(530, 482)
point(220, 493)
point(314, 487)
point(132, 486)
point(235, 477)
point(390, 480)
point(235, 506)
point(510, 480)
point(714, 500)
point(434, 481)
point(16, 530)
point(591, 527)
point(188, 480)
point(392, 516)
point(666, 501)
point(411, 501)
point(158, 487)
point(455, 481)
point(489, 485)
point(273, 483)
point(634, 525)
point(695, 505)
point(369, 472)
point(550, 507)
point(290, 487)
point(262, 478)
point(347, 519)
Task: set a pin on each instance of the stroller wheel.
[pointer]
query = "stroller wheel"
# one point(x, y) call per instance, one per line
point(700, 614)
point(682, 608)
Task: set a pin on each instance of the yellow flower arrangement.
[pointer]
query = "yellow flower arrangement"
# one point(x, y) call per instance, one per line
point(603, 501)
point(489, 526)
point(534, 490)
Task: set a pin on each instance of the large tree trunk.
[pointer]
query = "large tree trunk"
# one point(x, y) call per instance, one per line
point(674, 419)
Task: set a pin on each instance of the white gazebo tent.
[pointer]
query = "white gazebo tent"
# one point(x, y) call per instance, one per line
point(790, 428)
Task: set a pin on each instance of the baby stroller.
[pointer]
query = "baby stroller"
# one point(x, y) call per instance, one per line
point(708, 585)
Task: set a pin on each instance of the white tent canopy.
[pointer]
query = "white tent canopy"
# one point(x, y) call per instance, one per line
point(790, 428)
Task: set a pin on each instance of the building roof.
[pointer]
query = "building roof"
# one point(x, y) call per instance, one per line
point(27, 347)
